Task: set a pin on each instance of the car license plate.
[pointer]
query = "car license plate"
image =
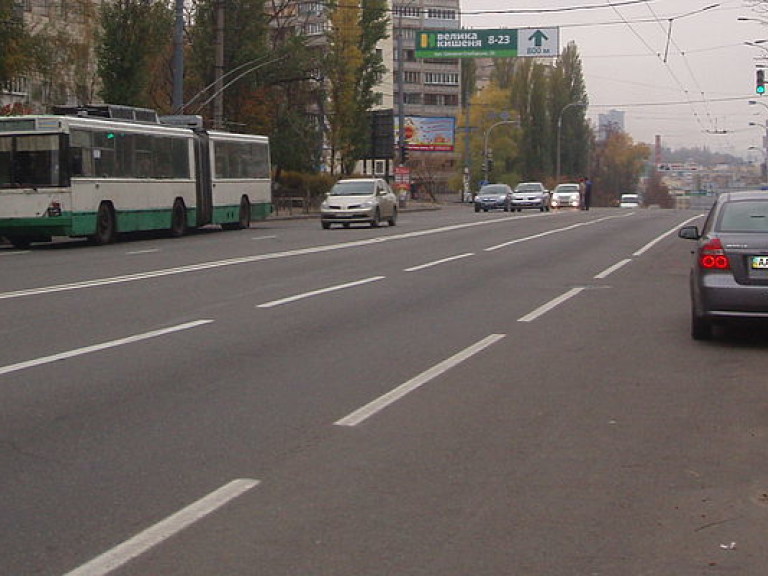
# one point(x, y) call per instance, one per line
point(760, 262)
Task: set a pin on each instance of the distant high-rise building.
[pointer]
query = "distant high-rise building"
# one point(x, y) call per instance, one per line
point(612, 121)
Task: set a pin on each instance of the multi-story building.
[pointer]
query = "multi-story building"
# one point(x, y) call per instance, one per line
point(66, 67)
point(431, 88)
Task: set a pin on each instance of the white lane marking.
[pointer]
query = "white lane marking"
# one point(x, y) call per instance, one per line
point(658, 239)
point(98, 347)
point(15, 253)
point(549, 232)
point(438, 262)
point(611, 269)
point(163, 530)
point(318, 292)
point(264, 237)
point(362, 414)
point(147, 251)
point(244, 260)
point(541, 310)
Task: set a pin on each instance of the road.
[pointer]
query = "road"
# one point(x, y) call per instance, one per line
point(484, 394)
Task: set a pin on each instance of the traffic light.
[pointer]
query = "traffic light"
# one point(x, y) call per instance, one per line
point(760, 88)
point(403, 154)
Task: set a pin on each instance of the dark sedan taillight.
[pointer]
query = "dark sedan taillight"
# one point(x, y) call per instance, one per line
point(712, 256)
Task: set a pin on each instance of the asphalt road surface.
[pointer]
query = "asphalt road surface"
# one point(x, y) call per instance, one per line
point(462, 394)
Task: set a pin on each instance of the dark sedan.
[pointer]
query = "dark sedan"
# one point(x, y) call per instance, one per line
point(729, 274)
point(493, 197)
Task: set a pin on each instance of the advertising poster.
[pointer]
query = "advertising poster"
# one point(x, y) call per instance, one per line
point(431, 134)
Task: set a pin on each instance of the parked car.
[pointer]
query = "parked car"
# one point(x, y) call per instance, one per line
point(359, 200)
point(530, 195)
point(566, 196)
point(493, 197)
point(729, 272)
point(629, 201)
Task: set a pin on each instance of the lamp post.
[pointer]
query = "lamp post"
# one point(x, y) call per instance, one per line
point(559, 131)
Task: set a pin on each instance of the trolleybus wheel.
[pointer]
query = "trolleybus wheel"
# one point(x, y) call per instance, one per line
point(244, 220)
point(106, 228)
point(178, 218)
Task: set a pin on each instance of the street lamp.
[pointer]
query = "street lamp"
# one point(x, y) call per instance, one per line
point(559, 131)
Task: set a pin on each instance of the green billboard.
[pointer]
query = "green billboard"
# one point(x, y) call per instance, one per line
point(502, 43)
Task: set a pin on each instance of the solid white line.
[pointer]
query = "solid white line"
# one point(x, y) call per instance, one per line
point(264, 237)
point(611, 269)
point(362, 414)
point(151, 537)
point(318, 292)
point(658, 239)
point(438, 262)
point(148, 251)
point(541, 310)
point(98, 347)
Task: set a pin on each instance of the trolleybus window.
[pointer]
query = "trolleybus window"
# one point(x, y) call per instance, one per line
point(108, 154)
point(241, 160)
point(30, 161)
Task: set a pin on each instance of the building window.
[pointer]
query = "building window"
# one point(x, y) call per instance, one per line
point(312, 8)
point(441, 99)
point(313, 29)
point(412, 98)
point(410, 77)
point(407, 11)
point(442, 14)
point(441, 78)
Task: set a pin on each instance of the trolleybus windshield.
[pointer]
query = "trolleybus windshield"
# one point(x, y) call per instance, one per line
point(30, 161)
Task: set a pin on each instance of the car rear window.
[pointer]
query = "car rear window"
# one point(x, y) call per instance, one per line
point(744, 216)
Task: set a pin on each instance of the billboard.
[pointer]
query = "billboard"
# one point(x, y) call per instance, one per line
point(500, 43)
point(427, 133)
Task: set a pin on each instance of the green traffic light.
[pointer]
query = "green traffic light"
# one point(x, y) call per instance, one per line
point(760, 89)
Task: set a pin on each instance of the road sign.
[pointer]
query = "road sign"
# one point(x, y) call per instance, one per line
point(501, 43)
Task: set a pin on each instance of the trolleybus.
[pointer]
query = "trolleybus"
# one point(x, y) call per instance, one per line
point(90, 174)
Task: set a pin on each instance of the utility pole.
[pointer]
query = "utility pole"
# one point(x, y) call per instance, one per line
point(400, 96)
point(178, 60)
point(218, 102)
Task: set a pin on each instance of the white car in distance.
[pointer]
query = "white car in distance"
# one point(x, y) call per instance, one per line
point(566, 196)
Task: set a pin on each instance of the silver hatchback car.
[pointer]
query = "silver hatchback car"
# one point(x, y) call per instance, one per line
point(729, 273)
point(359, 200)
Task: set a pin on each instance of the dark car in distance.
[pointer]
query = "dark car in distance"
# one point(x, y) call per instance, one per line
point(493, 197)
point(729, 272)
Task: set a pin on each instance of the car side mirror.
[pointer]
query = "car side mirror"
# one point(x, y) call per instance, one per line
point(689, 233)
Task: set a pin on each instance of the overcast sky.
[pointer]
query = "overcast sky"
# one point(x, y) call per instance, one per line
point(693, 91)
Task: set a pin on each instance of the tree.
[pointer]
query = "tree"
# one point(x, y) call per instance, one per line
point(134, 34)
point(487, 107)
point(353, 68)
point(13, 40)
point(530, 95)
point(617, 168)
point(567, 90)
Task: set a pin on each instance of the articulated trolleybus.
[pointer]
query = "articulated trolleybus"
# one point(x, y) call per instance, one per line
point(100, 170)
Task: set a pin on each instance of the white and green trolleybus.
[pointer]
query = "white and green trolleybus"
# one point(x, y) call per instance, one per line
point(87, 173)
